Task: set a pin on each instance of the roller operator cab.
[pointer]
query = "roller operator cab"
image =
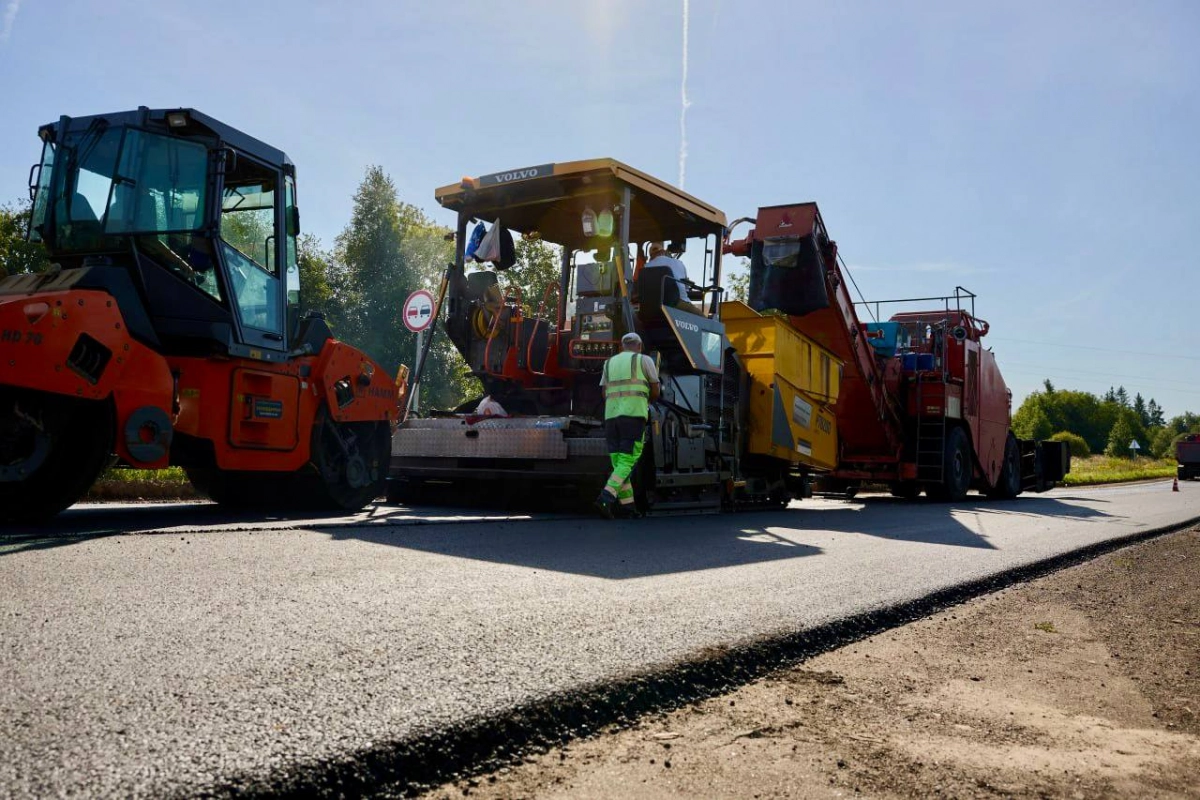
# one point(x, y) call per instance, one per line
point(168, 330)
point(540, 358)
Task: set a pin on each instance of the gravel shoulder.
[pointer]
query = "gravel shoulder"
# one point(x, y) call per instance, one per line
point(1085, 683)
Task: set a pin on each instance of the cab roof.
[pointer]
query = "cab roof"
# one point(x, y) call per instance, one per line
point(549, 199)
point(198, 123)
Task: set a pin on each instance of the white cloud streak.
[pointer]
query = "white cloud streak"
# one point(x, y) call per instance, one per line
point(684, 102)
point(10, 16)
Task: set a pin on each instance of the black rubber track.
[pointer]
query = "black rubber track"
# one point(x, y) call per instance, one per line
point(420, 762)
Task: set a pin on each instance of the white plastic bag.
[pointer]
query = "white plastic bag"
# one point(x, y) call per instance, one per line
point(490, 408)
point(489, 248)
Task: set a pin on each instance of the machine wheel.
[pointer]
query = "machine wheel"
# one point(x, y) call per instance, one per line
point(243, 489)
point(52, 449)
point(400, 492)
point(1008, 484)
point(351, 461)
point(905, 490)
point(348, 470)
point(956, 469)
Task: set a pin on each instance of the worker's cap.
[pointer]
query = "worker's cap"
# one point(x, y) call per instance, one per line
point(631, 338)
point(657, 247)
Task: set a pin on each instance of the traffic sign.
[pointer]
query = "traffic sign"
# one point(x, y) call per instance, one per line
point(418, 311)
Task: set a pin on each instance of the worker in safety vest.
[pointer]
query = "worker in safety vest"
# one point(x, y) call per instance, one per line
point(630, 382)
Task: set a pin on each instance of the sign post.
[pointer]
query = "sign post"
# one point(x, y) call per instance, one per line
point(415, 400)
point(418, 316)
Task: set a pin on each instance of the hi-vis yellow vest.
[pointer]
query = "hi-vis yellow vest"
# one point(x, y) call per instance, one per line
point(626, 390)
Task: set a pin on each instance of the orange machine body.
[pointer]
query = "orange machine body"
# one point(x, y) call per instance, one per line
point(257, 415)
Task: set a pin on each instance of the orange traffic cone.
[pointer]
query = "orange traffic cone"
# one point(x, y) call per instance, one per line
point(1175, 485)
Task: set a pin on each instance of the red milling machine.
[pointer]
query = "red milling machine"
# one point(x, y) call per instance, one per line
point(923, 406)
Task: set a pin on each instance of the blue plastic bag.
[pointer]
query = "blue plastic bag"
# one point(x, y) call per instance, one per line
point(476, 237)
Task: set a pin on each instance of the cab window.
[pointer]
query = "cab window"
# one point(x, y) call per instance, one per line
point(248, 241)
point(248, 212)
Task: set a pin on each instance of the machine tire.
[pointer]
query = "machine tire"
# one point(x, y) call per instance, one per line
point(905, 490)
point(325, 485)
point(956, 469)
point(351, 461)
point(1008, 484)
point(400, 492)
point(208, 482)
point(79, 434)
point(249, 490)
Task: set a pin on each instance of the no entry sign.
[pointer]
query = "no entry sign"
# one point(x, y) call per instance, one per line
point(418, 311)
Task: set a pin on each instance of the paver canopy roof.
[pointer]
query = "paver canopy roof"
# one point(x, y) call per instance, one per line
point(550, 199)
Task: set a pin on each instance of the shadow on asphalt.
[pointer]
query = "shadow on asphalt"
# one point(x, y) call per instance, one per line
point(663, 545)
point(597, 548)
point(931, 522)
point(530, 535)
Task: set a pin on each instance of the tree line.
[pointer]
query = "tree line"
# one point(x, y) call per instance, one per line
point(1102, 424)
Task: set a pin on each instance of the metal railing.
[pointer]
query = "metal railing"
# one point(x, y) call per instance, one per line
point(959, 297)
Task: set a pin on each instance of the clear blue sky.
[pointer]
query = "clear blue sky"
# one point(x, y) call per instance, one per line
point(1044, 155)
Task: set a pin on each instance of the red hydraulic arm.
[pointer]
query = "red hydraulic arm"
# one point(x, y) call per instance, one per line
point(870, 426)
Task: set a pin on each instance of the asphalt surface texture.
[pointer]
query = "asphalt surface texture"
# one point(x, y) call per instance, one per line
point(163, 650)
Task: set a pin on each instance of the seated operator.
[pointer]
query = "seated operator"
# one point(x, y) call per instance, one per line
point(659, 257)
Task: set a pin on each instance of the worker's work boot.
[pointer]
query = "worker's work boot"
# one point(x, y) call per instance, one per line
point(605, 504)
point(627, 511)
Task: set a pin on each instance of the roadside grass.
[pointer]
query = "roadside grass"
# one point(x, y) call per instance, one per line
point(1109, 469)
point(118, 483)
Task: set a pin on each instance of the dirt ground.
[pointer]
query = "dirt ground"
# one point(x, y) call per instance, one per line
point(1082, 684)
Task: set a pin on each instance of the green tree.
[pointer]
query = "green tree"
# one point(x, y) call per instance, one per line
point(1031, 421)
point(537, 267)
point(1094, 419)
point(1139, 408)
point(16, 254)
point(386, 251)
point(1082, 413)
point(1122, 397)
point(316, 293)
point(738, 283)
point(1157, 419)
point(1186, 422)
point(1162, 444)
point(739, 287)
point(1120, 437)
point(1079, 448)
point(372, 278)
point(427, 248)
